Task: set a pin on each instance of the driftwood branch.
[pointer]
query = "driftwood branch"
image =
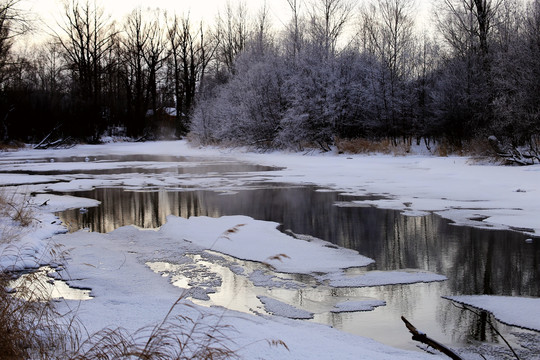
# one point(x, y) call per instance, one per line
point(421, 337)
point(44, 143)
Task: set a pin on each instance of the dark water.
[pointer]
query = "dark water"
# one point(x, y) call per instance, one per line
point(476, 261)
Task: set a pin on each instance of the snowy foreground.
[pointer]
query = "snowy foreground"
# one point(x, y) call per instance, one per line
point(128, 291)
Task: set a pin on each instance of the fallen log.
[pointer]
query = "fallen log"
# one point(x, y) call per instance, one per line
point(421, 337)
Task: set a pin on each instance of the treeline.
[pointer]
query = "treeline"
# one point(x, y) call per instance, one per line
point(472, 73)
point(336, 69)
point(138, 77)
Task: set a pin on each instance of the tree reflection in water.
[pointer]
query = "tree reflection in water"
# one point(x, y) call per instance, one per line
point(476, 261)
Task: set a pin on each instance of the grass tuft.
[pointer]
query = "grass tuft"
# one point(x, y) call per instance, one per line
point(32, 328)
point(17, 207)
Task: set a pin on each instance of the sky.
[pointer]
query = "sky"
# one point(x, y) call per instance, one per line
point(198, 9)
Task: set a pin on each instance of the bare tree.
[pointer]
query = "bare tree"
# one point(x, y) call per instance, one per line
point(155, 55)
point(13, 22)
point(467, 24)
point(144, 49)
point(261, 38)
point(50, 65)
point(190, 54)
point(232, 32)
point(295, 24)
point(328, 19)
point(85, 37)
point(134, 42)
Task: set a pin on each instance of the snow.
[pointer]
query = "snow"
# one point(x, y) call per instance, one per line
point(248, 239)
point(511, 310)
point(377, 278)
point(54, 203)
point(23, 179)
point(126, 292)
point(352, 306)
point(282, 309)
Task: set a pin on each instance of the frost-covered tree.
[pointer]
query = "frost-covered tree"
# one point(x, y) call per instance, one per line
point(516, 75)
point(247, 109)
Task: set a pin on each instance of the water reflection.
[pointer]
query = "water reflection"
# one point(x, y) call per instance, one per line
point(42, 285)
point(476, 261)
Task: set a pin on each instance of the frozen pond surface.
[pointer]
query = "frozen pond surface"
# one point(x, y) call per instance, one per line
point(144, 189)
point(476, 261)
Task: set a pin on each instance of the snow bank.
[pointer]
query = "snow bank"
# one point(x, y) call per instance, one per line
point(511, 310)
point(282, 309)
point(55, 203)
point(249, 239)
point(352, 306)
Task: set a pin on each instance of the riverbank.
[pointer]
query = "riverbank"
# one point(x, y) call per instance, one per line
point(480, 195)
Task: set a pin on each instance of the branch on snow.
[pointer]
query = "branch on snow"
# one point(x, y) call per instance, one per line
point(419, 336)
point(514, 155)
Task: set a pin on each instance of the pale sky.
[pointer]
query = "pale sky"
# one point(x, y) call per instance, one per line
point(198, 9)
point(51, 11)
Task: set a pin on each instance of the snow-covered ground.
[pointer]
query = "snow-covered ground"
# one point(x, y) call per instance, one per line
point(118, 266)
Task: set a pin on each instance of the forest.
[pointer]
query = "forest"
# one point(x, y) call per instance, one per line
point(334, 69)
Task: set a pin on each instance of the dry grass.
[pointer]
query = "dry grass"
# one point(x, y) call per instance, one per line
point(32, 328)
point(366, 146)
point(175, 337)
point(401, 147)
point(474, 148)
point(13, 145)
point(17, 207)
